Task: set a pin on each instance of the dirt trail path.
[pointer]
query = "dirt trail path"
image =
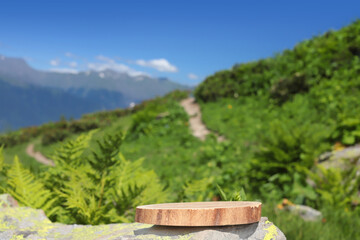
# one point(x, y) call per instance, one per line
point(38, 155)
point(197, 126)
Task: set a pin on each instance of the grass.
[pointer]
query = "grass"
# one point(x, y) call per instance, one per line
point(27, 161)
point(122, 123)
point(19, 150)
point(241, 121)
point(335, 224)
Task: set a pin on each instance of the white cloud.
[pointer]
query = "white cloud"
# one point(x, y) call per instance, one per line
point(55, 62)
point(108, 63)
point(193, 76)
point(73, 64)
point(105, 59)
point(64, 70)
point(162, 65)
point(69, 55)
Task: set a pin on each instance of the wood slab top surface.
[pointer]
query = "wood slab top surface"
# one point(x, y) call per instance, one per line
point(200, 213)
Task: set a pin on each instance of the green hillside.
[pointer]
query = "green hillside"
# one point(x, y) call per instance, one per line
point(278, 116)
point(290, 108)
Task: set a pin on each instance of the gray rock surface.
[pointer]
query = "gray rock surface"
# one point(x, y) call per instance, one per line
point(344, 159)
point(27, 223)
point(305, 212)
point(341, 158)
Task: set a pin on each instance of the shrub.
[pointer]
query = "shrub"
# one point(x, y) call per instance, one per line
point(347, 132)
point(82, 126)
point(338, 188)
point(86, 189)
point(318, 60)
point(286, 147)
point(285, 88)
point(53, 136)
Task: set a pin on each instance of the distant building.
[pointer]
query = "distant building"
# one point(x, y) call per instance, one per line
point(132, 105)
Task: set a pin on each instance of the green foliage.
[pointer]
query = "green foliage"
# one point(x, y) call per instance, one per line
point(235, 196)
point(109, 149)
point(53, 136)
point(335, 224)
point(82, 126)
point(285, 148)
point(29, 191)
point(177, 95)
point(242, 80)
point(157, 119)
point(291, 72)
point(198, 190)
point(285, 88)
point(301, 192)
point(3, 170)
point(348, 131)
point(87, 189)
point(337, 188)
point(142, 121)
point(64, 129)
point(280, 114)
point(2, 161)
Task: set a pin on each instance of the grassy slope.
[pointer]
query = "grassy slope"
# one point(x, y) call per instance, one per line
point(163, 150)
point(20, 151)
point(309, 91)
point(122, 124)
point(243, 121)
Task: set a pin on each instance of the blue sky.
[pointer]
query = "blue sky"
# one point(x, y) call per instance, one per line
point(182, 40)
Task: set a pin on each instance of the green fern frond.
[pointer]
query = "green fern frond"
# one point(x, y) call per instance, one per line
point(109, 150)
point(235, 196)
point(198, 190)
point(126, 201)
point(70, 152)
point(129, 169)
point(23, 186)
point(113, 215)
point(130, 175)
point(239, 196)
point(222, 193)
point(81, 202)
point(68, 159)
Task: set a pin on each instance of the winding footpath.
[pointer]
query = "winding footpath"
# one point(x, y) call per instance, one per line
point(38, 156)
point(197, 126)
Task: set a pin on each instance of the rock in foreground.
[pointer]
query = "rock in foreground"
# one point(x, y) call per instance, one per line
point(28, 223)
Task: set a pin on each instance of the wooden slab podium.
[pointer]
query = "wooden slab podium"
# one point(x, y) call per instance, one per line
point(200, 213)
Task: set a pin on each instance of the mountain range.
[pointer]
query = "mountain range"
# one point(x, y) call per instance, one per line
point(31, 97)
